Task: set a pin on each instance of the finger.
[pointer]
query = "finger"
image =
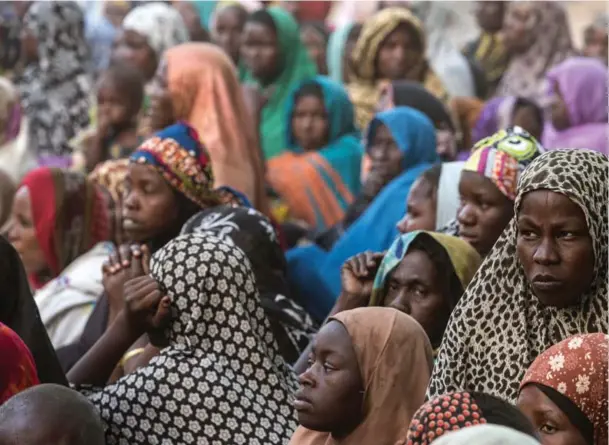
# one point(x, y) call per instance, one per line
point(136, 284)
point(146, 259)
point(163, 313)
point(136, 261)
point(150, 301)
point(125, 253)
point(114, 260)
point(106, 268)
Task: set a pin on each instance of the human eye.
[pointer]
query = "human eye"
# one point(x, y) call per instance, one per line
point(546, 428)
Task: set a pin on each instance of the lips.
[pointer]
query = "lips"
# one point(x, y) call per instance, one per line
point(130, 224)
point(545, 282)
point(301, 403)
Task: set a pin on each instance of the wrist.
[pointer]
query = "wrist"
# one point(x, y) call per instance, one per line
point(130, 331)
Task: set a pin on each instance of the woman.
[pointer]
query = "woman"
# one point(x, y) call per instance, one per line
point(276, 61)
point(487, 435)
point(578, 114)
point(56, 101)
point(366, 403)
point(537, 37)
point(531, 291)
point(319, 174)
point(596, 39)
point(564, 392)
point(220, 377)
point(315, 37)
point(17, 371)
point(227, 28)
point(196, 83)
point(390, 47)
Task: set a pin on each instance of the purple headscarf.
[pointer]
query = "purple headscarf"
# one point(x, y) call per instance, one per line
point(496, 115)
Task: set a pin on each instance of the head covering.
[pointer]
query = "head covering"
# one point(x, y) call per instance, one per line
point(296, 65)
point(486, 435)
point(501, 318)
point(414, 95)
point(335, 52)
point(391, 392)
point(159, 23)
point(551, 45)
point(577, 369)
point(69, 213)
point(55, 89)
point(447, 198)
point(463, 257)
point(206, 94)
point(17, 371)
point(583, 86)
point(319, 186)
point(221, 379)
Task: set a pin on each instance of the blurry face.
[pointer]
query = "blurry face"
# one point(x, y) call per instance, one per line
point(555, 248)
point(160, 111)
point(446, 144)
point(519, 24)
point(526, 118)
point(227, 32)
point(310, 123)
point(132, 47)
point(553, 425)
point(484, 211)
point(398, 54)
point(490, 15)
point(192, 21)
point(595, 44)
point(316, 46)
point(260, 51)
point(331, 391)
point(149, 208)
point(22, 233)
point(559, 113)
point(112, 106)
point(420, 208)
point(384, 152)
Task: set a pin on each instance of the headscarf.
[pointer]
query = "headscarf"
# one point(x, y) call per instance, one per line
point(160, 24)
point(319, 186)
point(55, 89)
point(391, 392)
point(206, 93)
point(221, 379)
point(69, 213)
point(447, 198)
point(576, 369)
point(583, 86)
point(335, 52)
point(296, 66)
point(254, 233)
point(551, 45)
point(19, 312)
point(487, 435)
point(364, 90)
point(17, 371)
point(463, 257)
point(414, 95)
point(499, 327)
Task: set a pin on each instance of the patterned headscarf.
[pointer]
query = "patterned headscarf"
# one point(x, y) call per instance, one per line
point(577, 369)
point(499, 327)
point(487, 435)
point(17, 370)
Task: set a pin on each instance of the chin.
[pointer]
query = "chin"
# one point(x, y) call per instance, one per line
point(313, 423)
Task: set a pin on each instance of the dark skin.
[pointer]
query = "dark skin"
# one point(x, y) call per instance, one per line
point(316, 46)
point(559, 112)
point(260, 52)
point(526, 118)
point(420, 208)
point(133, 48)
point(310, 126)
point(160, 112)
point(490, 16)
point(519, 24)
point(596, 43)
point(349, 47)
point(553, 424)
point(555, 248)
point(400, 55)
point(386, 161)
point(484, 212)
point(331, 390)
point(196, 31)
point(228, 29)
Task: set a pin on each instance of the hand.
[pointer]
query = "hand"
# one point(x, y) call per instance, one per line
point(357, 278)
point(255, 99)
point(374, 183)
point(146, 308)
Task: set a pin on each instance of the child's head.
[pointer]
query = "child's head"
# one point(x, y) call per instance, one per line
point(310, 124)
point(120, 93)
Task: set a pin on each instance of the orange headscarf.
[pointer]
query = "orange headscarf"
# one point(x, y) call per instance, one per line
point(206, 94)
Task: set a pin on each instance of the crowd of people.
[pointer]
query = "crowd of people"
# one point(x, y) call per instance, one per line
point(244, 223)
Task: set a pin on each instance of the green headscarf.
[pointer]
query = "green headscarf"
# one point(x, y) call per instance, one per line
point(296, 67)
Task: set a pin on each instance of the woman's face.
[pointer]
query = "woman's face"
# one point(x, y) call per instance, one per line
point(526, 118)
point(112, 106)
point(310, 123)
point(227, 31)
point(420, 208)
point(484, 211)
point(555, 248)
point(553, 425)
point(331, 390)
point(414, 288)
point(260, 51)
point(160, 111)
point(398, 54)
point(559, 112)
point(384, 153)
point(446, 143)
point(596, 43)
point(133, 48)
point(150, 208)
point(316, 46)
point(490, 15)
point(22, 233)
point(518, 26)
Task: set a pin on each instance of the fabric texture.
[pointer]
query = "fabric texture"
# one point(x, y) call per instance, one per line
point(296, 67)
point(392, 392)
point(486, 435)
point(490, 53)
point(577, 368)
point(319, 186)
point(55, 89)
point(499, 327)
point(335, 52)
point(206, 93)
point(221, 379)
point(18, 371)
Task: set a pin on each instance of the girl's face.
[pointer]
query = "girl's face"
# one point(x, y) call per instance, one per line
point(519, 25)
point(227, 31)
point(112, 106)
point(260, 51)
point(132, 47)
point(595, 43)
point(316, 46)
point(398, 54)
point(420, 208)
point(310, 123)
point(161, 112)
point(384, 152)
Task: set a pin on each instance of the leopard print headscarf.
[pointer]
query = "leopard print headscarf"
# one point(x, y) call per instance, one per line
point(499, 327)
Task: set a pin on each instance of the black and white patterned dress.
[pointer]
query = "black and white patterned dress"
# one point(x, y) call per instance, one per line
point(221, 380)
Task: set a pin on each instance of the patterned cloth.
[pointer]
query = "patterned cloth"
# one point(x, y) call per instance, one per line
point(577, 369)
point(17, 370)
point(499, 327)
point(487, 435)
point(490, 53)
point(55, 89)
point(221, 379)
point(254, 233)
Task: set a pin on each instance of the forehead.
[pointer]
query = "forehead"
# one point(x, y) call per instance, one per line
point(416, 264)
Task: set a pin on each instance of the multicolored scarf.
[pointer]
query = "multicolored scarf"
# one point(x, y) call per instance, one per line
point(18, 371)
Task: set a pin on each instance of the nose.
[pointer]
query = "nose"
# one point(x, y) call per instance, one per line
point(403, 224)
point(378, 153)
point(466, 215)
point(546, 253)
point(402, 302)
point(307, 378)
point(130, 203)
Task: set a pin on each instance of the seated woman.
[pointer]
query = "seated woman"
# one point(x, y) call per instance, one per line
point(390, 47)
point(353, 391)
point(318, 175)
point(276, 61)
point(17, 370)
point(564, 392)
point(545, 278)
point(578, 114)
point(219, 359)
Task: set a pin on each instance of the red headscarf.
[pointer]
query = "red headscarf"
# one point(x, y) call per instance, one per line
point(17, 369)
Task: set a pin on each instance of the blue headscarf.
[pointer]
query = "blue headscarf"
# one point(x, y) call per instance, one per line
point(336, 49)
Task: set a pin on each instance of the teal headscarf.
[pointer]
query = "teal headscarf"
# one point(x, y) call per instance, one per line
point(296, 66)
point(336, 49)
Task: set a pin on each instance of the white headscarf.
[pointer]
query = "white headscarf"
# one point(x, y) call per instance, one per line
point(448, 193)
point(486, 435)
